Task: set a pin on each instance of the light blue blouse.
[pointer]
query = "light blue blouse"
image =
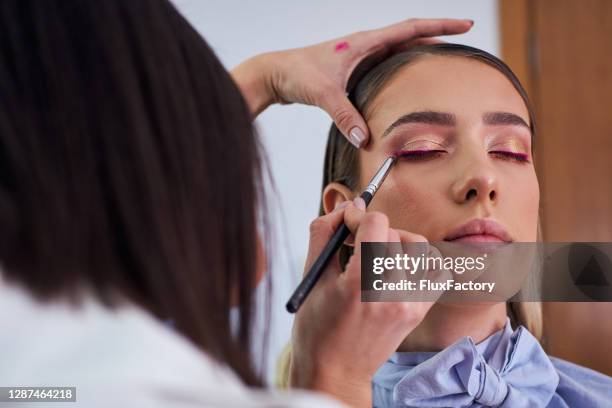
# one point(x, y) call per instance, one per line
point(508, 369)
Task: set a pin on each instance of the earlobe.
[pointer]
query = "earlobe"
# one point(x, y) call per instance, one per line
point(335, 193)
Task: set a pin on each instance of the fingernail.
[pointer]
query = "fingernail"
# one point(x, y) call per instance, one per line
point(471, 22)
point(341, 205)
point(359, 203)
point(356, 137)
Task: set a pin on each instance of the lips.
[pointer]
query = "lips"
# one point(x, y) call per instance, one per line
point(480, 230)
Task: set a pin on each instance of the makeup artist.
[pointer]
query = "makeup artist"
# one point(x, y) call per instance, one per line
point(130, 185)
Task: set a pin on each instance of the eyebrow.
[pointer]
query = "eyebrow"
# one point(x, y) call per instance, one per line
point(503, 118)
point(427, 117)
point(449, 119)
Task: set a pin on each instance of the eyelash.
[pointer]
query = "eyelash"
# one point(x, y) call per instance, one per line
point(518, 157)
point(419, 154)
point(429, 154)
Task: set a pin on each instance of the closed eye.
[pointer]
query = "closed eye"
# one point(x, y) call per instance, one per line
point(419, 154)
point(415, 155)
point(513, 156)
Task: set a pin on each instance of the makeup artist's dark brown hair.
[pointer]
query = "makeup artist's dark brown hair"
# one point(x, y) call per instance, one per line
point(342, 159)
point(128, 166)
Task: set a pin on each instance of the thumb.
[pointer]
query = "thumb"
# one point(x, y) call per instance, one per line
point(346, 117)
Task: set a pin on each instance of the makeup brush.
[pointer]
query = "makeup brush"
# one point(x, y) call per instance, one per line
point(313, 275)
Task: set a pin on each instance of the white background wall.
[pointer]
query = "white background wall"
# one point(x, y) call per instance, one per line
point(295, 136)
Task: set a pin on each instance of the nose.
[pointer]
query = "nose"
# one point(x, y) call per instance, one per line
point(477, 183)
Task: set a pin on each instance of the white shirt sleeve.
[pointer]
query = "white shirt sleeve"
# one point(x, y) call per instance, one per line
point(219, 398)
point(124, 358)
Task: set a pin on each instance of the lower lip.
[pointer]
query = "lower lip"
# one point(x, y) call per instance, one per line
point(478, 238)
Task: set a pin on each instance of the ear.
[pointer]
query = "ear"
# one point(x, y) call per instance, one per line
point(335, 193)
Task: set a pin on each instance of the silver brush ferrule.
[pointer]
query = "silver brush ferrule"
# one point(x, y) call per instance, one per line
point(380, 175)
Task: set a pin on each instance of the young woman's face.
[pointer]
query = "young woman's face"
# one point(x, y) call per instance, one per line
point(462, 134)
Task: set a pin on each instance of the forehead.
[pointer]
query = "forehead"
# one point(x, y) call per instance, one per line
point(463, 86)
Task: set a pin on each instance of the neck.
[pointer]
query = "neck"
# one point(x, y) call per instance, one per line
point(444, 324)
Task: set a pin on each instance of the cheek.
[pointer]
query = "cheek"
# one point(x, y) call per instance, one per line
point(524, 200)
point(408, 203)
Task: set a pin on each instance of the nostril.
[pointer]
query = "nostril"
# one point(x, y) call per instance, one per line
point(470, 194)
point(492, 195)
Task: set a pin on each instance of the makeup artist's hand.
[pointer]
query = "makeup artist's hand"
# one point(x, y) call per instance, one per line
point(318, 74)
point(338, 341)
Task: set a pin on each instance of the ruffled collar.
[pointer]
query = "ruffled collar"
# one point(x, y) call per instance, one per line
point(509, 368)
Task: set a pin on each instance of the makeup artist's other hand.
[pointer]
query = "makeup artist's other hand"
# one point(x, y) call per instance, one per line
point(338, 341)
point(318, 74)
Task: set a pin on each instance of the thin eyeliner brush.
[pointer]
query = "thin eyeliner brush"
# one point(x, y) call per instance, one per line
point(316, 270)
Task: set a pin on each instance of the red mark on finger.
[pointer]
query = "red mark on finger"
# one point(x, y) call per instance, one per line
point(341, 46)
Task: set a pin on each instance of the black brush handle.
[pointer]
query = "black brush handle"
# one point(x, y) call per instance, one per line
point(317, 268)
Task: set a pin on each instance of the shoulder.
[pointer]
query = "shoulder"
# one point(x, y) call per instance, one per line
point(581, 386)
point(92, 347)
point(571, 372)
point(122, 357)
